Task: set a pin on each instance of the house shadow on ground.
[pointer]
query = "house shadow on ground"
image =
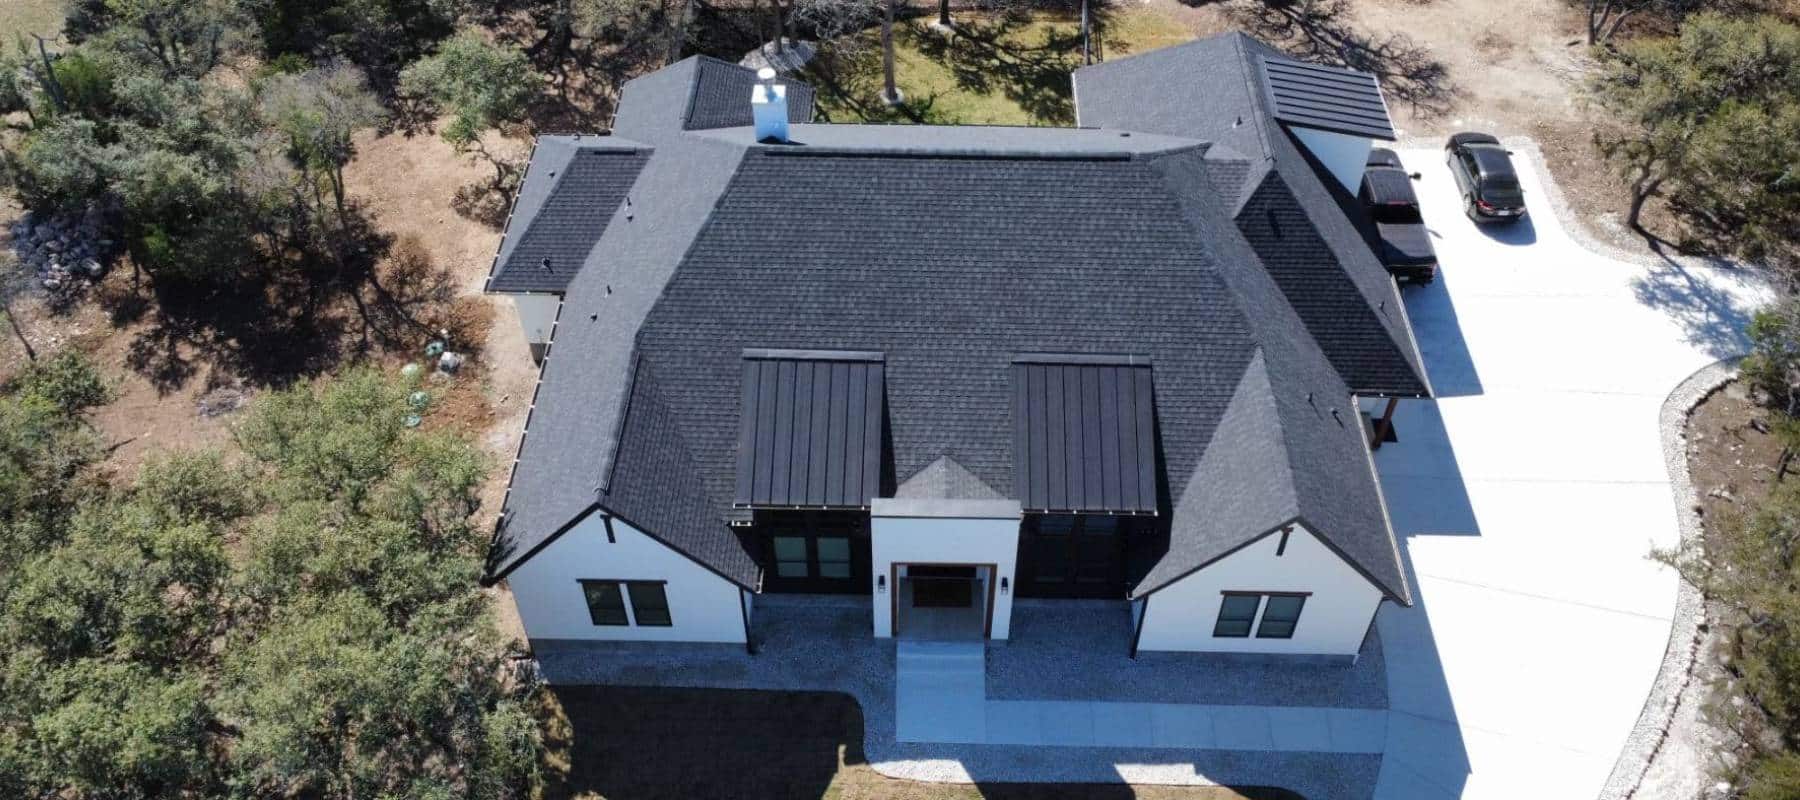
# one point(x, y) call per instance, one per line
point(622, 743)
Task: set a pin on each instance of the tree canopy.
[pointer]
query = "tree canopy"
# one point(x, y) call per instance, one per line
point(479, 83)
point(299, 620)
point(1708, 122)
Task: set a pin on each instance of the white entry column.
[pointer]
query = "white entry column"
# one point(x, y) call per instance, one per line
point(935, 531)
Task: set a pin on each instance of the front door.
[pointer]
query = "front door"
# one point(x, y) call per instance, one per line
point(1067, 555)
point(942, 587)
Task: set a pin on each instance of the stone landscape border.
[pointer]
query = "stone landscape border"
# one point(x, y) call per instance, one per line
point(1677, 671)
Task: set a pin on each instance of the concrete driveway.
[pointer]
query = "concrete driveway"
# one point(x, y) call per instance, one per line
point(1527, 496)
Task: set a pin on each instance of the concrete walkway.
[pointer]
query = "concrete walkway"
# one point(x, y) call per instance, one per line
point(940, 696)
point(1528, 496)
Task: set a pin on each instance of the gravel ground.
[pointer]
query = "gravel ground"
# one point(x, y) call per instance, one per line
point(1062, 650)
point(820, 643)
point(1648, 766)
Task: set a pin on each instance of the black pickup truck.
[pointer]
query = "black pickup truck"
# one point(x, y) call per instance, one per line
point(1401, 239)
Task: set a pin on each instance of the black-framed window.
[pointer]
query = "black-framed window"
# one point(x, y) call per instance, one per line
point(815, 551)
point(1079, 555)
point(606, 604)
point(1280, 615)
point(1236, 613)
point(649, 603)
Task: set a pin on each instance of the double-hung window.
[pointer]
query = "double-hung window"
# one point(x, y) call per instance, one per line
point(607, 603)
point(1238, 616)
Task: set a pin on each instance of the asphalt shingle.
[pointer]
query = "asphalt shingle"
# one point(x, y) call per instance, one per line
point(951, 251)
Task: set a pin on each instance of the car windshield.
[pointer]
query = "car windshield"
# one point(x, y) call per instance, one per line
point(1395, 214)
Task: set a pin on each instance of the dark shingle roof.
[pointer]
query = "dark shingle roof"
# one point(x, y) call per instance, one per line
point(579, 196)
point(1326, 98)
point(1211, 89)
point(951, 251)
point(721, 96)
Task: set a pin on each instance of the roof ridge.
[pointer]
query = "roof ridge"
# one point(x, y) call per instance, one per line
point(1253, 88)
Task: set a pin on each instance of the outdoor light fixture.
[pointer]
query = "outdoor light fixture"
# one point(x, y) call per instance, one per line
point(881, 583)
point(1003, 584)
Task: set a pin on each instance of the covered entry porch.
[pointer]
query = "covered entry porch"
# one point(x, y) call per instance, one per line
point(943, 569)
point(943, 602)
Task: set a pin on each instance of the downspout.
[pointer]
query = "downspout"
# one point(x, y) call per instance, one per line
point(744, 611)
point(1138, 633)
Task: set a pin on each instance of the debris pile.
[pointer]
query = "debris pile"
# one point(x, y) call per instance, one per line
point(63, 249)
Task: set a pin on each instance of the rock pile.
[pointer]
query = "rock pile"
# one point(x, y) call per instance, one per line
point(63, 249)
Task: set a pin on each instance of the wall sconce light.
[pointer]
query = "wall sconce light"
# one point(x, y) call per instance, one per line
point(1004, 586)
point(881, 583)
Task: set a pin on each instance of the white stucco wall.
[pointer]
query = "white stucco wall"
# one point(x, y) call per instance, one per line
point(1333, 621)
point(943, 532)
point(1345, 156)
point(537, 315)
point(703, 606)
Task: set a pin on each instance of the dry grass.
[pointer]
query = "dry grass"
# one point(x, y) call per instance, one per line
point(622, 743)
point(992, 70)
point(42, 17)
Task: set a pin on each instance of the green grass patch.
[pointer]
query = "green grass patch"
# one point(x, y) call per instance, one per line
point(991, 70)
point(25, 17)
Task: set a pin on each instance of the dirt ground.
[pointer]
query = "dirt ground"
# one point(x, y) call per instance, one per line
point(621, 742)
point(1731, 459)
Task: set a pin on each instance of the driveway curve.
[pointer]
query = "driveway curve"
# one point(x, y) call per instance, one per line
point(1528, 494)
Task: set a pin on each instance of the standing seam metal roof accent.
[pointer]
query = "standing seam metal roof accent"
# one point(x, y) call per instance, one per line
point(1084, 436)
point(1326, 98)
point(809, 433)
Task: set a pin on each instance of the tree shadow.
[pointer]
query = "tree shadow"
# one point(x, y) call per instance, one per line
point(1321, 31)
point(993, 55)
point(849, 79)
point(287, 317)
point(1713, 310)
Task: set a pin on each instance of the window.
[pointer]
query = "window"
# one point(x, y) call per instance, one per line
point(649, 603)
point(606, 606)
point(790, 556)
point(814, 551)
point(1280, 616)
point(834, 557)
point(1236, 612)
point(606, 603)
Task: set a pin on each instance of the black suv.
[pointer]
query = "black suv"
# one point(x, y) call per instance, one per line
point(1485, 177)
point(1402, 241)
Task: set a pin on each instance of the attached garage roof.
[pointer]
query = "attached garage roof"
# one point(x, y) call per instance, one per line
point(1084, 434)
point(810, 430)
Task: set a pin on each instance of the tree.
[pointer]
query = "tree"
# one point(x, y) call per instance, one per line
point(318, 112)
point(1700, 116)
point(379, 36)
point(346, 652)
point(1606, 17)
point(890, 92)
point(478, 83)
point(181, 37)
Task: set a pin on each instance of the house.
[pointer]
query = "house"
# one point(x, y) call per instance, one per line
point(947, 367)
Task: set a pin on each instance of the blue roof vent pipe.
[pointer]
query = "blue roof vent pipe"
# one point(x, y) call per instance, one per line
point(768, 102)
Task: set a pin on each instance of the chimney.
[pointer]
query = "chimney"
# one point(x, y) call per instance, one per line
point(768, 103)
